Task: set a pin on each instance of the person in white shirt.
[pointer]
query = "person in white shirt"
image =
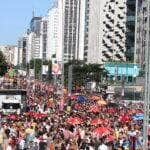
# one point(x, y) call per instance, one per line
point(103, 147)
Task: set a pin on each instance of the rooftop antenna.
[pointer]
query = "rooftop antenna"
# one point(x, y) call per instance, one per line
point(33, 13)
point(55, 3)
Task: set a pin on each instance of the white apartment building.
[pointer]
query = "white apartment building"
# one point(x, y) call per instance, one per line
point(29, 46)
point(104, 31)
point(69, 13)
point(36, 53)
point(11, 53)
point(22, 50)
point(141, 32)
point(33, 47)
point(89, 30)
point(93, 30)
point(53, 33)
point(43, 38)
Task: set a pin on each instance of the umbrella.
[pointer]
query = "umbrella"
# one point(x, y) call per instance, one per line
point(81, 99)
point(95, 97)
point(102, 131)
point(13, 117)
point(30, 113)
point(111, 110)
point(77, 106)
point(125, 118)
point(73, 97)
point(138, 117)
point(94, 109)
point(132, 111)
point(40, 115)
point(74, 120)
point(110, 138)
point(102, 102)
point(97, 121)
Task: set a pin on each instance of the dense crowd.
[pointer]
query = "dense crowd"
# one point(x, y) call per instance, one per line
point(72, 122)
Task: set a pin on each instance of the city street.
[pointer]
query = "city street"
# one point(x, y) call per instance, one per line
point(75, 75)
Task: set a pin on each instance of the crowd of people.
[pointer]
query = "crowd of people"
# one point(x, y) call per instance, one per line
point(73, 122)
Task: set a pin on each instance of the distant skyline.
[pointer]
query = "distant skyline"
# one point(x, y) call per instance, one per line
point(15, 16)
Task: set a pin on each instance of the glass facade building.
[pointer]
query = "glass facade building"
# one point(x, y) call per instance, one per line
point(35, 25)
point(130, 25)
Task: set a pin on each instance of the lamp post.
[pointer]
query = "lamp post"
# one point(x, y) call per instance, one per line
point(70, 79)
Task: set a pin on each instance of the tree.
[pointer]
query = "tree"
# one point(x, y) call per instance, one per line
point(83, 73)
point(37, 64)
point(3, 64)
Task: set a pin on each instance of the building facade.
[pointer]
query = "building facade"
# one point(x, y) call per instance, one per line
point(130, 31)
point(141, 32)
point(93, 31)
point(70, 29)
point(11, 53)
point(22, 50)
point(104, 27)
point(35, 25)
point(43, 38)
point(53, 33)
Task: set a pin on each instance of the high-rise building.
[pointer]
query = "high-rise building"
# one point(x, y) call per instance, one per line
point(141, 32)
point(35, 25)
point(104, 28)
point(35, 41)
point(33, 47)
point(43, 38)
point(22, 50)
point(90, 30)
point(53, 25)
point(130, 31)
point(70, 28)
point(11, 53)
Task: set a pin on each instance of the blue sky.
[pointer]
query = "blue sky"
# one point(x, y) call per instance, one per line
point(15, 16)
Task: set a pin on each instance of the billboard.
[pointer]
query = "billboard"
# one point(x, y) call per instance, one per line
point(4, 98)
point(122, 69)
point(44, 69)
point(22, 72)
point(56, 68)
point(31, 72)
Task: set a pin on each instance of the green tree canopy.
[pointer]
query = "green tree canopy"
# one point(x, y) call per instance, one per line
point(83, 73)
point(37, 64)
point(3, 64)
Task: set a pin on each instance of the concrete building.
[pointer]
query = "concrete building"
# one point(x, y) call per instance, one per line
point(70, 28)
point(2, 48)
point(90, 30)
point(130, 31)
point(11, 53)
point(94, 31)
point(141, 32)
point(35, 25)
point(34, 39)
point(43, 39)
point(22, 50)
point(53, 33)
point(107, 23)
